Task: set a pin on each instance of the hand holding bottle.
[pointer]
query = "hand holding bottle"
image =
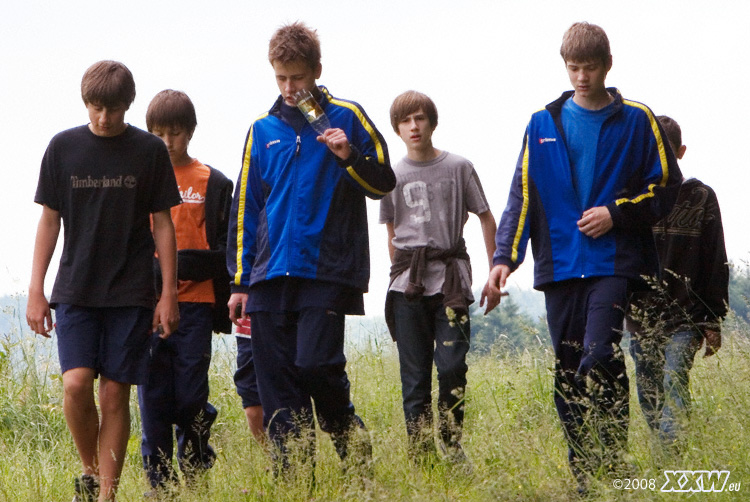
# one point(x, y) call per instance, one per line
point(312, 111)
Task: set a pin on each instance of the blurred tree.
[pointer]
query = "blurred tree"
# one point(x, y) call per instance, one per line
point(507, 329)
point(739, 290)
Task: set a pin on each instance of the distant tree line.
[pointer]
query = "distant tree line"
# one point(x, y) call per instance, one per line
point(510, 328)
point(517, 324)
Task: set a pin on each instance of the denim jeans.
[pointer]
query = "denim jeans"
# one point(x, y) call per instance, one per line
point(662, 365)
point(423, 334)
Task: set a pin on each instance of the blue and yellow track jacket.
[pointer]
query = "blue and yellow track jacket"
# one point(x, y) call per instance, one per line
point(298, 210)
point(636, 177)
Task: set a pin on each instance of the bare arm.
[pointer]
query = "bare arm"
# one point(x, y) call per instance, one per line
point(489, 227)
point(38, 314)
point(713, 342)
point(391, 235)
point(489, 298)
point(167, 313)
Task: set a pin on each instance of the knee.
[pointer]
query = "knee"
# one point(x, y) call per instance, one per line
point(114, 397)
point(78, 385)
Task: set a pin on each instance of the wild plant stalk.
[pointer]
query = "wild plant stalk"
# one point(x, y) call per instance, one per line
point(512, 434)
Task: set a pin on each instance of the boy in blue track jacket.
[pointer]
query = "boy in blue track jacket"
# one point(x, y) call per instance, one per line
point(595, 172)
point(298, 247)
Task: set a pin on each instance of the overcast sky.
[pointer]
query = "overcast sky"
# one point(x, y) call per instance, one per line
point(487, 64)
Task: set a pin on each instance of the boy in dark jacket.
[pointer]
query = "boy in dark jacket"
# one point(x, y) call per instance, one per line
point(669, 324)
point(177, 389)
point(594, 174)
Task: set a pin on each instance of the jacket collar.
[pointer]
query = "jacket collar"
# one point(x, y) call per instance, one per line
point(555, 107)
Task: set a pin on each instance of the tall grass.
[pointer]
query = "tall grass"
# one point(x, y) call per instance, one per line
point(512, 435)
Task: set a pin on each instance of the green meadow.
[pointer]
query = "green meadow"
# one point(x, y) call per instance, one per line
point(512, 435)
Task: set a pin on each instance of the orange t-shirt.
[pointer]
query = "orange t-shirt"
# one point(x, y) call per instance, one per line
point(190, 225)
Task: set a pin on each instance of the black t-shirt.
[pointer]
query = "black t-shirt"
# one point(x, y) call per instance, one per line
point(105, 189)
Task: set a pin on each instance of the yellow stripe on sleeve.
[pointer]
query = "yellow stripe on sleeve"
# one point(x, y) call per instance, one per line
point(662, 153)
point(365, 123)
point(362, 182)
point(525, 206)
point(242, 202)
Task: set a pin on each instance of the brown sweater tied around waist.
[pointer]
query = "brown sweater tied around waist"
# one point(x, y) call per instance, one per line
point(415, 260)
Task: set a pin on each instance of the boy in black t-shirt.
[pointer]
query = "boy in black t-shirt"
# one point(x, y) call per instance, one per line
point(102, 181)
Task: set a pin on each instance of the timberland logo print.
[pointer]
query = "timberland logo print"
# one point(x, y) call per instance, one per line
point(103, 182)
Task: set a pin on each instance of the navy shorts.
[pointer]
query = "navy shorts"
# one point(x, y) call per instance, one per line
point(244, 377)
point(113, 341)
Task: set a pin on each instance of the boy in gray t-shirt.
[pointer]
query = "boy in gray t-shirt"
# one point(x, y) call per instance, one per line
point(430, 289)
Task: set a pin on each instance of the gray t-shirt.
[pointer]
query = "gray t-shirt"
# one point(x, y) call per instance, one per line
point(429, 207)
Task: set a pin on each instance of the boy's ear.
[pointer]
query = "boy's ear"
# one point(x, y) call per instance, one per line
point(680, 152)
point(608, 63)
point(318, 71)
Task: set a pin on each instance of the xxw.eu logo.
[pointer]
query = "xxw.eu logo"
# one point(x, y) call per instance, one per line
point(697, 481)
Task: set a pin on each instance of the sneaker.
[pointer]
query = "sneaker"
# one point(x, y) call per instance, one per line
point(87, 488)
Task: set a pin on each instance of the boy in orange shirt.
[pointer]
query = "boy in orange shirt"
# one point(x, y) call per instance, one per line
point(177, 390)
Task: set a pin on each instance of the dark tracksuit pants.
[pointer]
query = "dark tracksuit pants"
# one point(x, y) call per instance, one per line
point(424, 333)
point(585, 318)
point(177, 394)
point(299, 357)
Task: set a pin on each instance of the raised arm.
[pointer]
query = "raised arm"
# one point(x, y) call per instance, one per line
point(364, 157)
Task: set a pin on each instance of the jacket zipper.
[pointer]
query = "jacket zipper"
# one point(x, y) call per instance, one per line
point(290, 243)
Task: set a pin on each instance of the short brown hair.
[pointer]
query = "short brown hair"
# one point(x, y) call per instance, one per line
point(108, 83)
point(171, 108)
point(672, 129)
point(585, 42)
point(293, 42)
point(409, 102)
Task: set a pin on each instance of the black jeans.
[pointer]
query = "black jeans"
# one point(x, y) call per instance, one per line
point(423, 334)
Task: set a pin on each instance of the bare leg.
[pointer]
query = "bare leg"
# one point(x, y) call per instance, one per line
point(254, 415)
point(81, 415)
point(114, 401)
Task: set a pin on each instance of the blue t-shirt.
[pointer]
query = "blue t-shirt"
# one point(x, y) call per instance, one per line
point(582, 127)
